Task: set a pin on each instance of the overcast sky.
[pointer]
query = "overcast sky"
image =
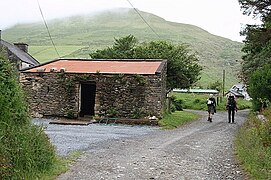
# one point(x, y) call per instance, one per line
point(219, 17)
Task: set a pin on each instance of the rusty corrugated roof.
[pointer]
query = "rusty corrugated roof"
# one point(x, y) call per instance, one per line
point(102, 66)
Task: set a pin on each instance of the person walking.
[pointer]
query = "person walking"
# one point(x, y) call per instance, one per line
point(211, 105)
point(231, 106)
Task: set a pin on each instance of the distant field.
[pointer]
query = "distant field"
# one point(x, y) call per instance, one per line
point(48, 53)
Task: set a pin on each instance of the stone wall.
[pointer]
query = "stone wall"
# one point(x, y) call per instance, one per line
point(47, 96)
point(131, 96)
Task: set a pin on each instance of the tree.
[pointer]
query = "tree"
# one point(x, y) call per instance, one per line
point(259, 8)
point(182, 68)
point(257, 51)
point(122, 49)
point(216, 85)
point(257, 46)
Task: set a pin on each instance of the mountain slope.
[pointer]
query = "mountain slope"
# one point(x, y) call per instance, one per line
point(88, 33)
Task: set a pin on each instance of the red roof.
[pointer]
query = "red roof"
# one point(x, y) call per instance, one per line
point(103, 66)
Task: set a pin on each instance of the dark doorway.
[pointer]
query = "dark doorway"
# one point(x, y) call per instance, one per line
point(88, 91)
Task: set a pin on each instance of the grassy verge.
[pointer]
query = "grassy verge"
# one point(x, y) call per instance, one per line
point(60, 166)
point(198, 101)
point(176, 119)
point(25, 150)
point(253, 146)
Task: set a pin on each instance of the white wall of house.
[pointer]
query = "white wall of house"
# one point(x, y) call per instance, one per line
point(24, 65)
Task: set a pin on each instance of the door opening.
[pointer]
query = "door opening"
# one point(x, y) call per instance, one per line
point(88, 91)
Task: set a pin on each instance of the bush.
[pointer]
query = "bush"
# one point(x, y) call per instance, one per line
point(259, 86)
point(112, 112)
point(255, 135)
point(197, 101)
point(25, 150)
point(256, 105)
point(70, 114)
point(137, 114)
point(172, 108)
point(178, 104)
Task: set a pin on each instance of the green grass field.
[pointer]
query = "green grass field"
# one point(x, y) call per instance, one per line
point(47, 53)
point(177, 119)
point(198, 101)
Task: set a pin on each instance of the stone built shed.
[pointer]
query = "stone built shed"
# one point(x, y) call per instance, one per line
point(77, 87)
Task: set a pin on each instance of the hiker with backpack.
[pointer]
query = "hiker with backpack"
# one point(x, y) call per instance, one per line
point(211, 104)
point(231, 106)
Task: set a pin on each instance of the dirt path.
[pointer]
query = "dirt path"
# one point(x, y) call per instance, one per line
point(200, 150)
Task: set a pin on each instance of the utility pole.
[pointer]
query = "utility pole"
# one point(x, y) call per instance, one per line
point(223, 83)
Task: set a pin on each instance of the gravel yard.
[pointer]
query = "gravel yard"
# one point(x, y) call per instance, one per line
point(200, 150)
point(69, 138)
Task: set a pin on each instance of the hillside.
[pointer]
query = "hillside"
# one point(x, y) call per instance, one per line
point(77, 36)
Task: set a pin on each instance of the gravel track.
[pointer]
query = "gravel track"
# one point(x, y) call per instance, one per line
point(199, 150)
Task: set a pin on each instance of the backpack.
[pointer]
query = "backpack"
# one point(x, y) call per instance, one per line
point(231, 101)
